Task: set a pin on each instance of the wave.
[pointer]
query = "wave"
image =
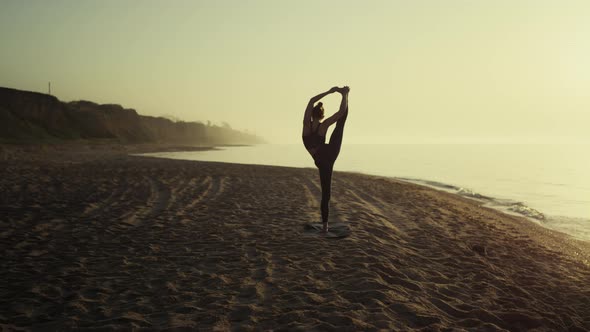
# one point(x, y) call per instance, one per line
point(574, 226)
point(505, 205)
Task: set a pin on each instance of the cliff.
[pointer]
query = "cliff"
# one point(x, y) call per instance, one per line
point(29, 117)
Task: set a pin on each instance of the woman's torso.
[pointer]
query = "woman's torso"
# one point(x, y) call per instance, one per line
point(314, 139)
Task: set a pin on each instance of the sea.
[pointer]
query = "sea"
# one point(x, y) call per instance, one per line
point(549, 184)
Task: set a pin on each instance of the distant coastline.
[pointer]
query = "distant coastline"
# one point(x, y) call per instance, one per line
point(35, 118)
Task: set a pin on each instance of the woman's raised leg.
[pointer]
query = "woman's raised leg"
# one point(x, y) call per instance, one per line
point(336, 138)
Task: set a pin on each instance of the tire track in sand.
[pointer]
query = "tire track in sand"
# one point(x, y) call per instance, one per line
point(365, 207)
point(311, 200)
point(208, 190)
point(256, 292)
point(179, 191)
point(97, 209)
point(157, 202)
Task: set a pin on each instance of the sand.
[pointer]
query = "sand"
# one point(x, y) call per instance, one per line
point(97, 239)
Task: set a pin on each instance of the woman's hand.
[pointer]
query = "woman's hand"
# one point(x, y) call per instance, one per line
point(343, 90)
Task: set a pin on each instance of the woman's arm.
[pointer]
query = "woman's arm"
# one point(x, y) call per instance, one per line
point(343, 106)
point(317, 98)
point(312, 101)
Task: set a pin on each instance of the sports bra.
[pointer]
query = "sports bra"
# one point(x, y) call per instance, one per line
point(314, 139)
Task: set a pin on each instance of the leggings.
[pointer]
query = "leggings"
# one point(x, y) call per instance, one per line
point(325, 159)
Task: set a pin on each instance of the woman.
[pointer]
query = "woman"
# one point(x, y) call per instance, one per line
point(314, 137)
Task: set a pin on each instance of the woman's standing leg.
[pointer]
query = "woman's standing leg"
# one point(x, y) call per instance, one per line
point(326, 182)
point(329, 155)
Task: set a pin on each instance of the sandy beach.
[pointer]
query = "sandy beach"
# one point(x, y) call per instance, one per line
point(98, 239)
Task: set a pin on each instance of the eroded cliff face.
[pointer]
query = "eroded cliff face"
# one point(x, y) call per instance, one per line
point(31, 116)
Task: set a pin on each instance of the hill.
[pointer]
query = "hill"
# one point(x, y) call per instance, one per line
point(36, 117)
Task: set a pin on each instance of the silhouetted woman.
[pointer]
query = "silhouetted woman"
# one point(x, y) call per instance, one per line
point(314, 137)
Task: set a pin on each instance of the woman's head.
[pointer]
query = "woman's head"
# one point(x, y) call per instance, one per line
point(318, 111)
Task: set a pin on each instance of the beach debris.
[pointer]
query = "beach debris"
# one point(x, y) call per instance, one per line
point(521, 208)
point(479, 249)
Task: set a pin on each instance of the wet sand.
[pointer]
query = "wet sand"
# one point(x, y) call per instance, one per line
point(97, 239)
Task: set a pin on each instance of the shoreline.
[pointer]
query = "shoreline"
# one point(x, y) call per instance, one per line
point(505, 205)
point(112, 241)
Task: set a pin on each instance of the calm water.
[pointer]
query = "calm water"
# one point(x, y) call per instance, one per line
point(551, 179)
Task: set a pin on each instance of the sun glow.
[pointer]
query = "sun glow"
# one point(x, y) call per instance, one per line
point(430, 71)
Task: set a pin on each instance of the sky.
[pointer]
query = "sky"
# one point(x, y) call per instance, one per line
point(453, 71)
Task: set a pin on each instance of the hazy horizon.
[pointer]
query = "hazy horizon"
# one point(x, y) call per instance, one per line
point(419, 72)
